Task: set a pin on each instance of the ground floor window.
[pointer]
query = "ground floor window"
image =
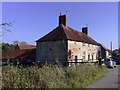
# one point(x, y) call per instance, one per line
point(88, 57)
point(92, 57)
point(83, 57)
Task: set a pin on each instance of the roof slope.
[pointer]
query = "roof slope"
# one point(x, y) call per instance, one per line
point(25, 46)
point(104, 47)
point(67, 33)
point(30, 53)
point(57, 34)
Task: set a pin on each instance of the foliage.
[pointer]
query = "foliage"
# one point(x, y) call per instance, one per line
point(116, 51)
point(4, 26)
point(7, 47)
point(10, 47)
point(19, 42)
point(50, 76)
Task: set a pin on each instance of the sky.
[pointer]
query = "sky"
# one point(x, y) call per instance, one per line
point(32, 20)
point(119, 24)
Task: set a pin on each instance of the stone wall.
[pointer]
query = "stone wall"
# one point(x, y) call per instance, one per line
point(51, 51)
point(83, 51)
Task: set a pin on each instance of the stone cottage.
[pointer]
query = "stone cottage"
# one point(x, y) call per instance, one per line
point(64, 44)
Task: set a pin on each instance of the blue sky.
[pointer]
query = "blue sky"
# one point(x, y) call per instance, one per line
point(34, 20)
point(119, 24)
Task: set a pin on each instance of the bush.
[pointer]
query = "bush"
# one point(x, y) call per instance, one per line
point(50, 76)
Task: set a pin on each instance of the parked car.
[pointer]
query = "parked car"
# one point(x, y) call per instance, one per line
point(14, 61)
point(26, 62)
point(117, 61)
point(110, 63)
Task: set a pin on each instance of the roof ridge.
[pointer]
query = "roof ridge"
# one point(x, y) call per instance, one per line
point(63, 32)
point(56, 32)
point(64, 28)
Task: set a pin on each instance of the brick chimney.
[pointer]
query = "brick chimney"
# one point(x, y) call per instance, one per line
point(85, 30)
point(62, 19)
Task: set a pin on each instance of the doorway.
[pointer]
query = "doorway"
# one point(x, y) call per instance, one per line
point(76, 59)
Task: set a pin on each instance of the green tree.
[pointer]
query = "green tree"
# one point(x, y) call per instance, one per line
point(116, 51)
point(7, 47)
point(19, 42)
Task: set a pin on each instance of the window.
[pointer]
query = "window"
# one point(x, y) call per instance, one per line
point(88, 57)
point(99, 54)
point(92, 57)
point(83, 44)
point(96, 57)
point(72, 52)
point(72, 56)
point(83, 56)
point(75, 42)
point(88, 45)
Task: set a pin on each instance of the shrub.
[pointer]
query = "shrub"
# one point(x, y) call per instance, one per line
point(50, 76)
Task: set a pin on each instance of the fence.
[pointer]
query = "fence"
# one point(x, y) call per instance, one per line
point(69, 62)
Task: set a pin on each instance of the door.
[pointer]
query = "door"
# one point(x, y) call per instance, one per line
point(76, 59)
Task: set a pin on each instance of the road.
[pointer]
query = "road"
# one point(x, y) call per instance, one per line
point(110, 80)
point(0, 78)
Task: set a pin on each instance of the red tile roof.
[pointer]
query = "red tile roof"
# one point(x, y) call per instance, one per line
point(25, 46)
point(64, 32)
point(22, 54)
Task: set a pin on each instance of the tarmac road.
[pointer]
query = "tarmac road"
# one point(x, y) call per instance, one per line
point(110, 80)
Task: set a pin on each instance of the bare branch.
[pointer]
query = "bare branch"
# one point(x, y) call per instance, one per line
point(4, 26)
point(6, 29)
point(7, 24)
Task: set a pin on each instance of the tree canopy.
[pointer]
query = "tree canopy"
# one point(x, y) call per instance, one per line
point(116, 51)
point(10, 47)
point(7, 47)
